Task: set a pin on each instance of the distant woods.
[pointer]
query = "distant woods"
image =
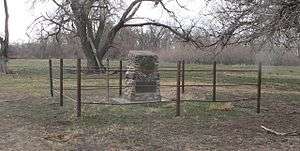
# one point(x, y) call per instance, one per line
point(161, 41)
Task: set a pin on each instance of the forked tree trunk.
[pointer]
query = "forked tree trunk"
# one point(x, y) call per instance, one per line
point(91, 60)
point(81, 25)
point(102, 50)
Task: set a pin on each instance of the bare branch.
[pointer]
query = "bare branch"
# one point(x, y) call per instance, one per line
point(187, 38)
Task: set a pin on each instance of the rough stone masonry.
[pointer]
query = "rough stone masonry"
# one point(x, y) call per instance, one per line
point(142, 77)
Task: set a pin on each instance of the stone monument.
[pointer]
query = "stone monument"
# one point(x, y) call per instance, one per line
point(142, 78)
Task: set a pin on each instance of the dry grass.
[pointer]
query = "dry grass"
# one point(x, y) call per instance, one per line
point(37, 122)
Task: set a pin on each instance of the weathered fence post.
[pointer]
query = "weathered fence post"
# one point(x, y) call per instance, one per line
point(51, 77)
point(120, 78)
point(178, 89)
point(214, 80)
point(259, 86)
point(78, 107)
point(61, 81)
point(183, 75)
point(107, 79)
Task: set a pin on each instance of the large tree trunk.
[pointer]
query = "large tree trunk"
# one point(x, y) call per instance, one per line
point(92, 63)
point(81, 25)
point(3, 56)
point(4, 43)
point(3, 66)
point(102, 50)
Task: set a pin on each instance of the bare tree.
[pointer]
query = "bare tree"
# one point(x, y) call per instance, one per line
point(154, 38)
point(275, 22)
point(4, 42)
point(97, 23)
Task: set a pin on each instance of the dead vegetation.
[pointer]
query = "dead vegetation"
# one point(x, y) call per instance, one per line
point(37, 122)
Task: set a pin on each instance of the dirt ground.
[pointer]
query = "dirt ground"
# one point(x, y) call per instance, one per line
point(39, 123)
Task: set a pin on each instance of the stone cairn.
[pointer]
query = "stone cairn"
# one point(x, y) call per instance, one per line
point(142, 78)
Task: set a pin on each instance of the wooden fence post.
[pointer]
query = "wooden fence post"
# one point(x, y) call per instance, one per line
point(120, 78)
point(78, 107)
point(61, 81)
point(259, 86)
point(51, 77)
point(178, 89)
point(214, 80)
point(107, 79)
point(183, 76)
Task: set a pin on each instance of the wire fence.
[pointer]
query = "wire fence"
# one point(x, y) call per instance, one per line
point(114, 77)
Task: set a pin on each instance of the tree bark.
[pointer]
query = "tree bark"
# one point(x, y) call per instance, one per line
point(4, 43)
point(109, 40)
point(81, 25)
point(92, 63)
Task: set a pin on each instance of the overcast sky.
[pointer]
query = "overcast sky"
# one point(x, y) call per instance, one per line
point(22, 15)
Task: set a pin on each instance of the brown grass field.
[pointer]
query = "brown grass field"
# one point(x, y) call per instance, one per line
point(31, 120)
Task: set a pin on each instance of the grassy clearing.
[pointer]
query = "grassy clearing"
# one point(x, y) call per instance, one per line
point(35, 116)
point(32, 78)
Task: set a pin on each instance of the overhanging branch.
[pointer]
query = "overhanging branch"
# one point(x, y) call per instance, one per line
point(185, 37)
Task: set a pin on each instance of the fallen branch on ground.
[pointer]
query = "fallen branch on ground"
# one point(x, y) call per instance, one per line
point(293, 112)
point(294, 133)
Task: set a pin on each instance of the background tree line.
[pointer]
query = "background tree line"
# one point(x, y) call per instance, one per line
point(161, 41)
point(95, 29)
